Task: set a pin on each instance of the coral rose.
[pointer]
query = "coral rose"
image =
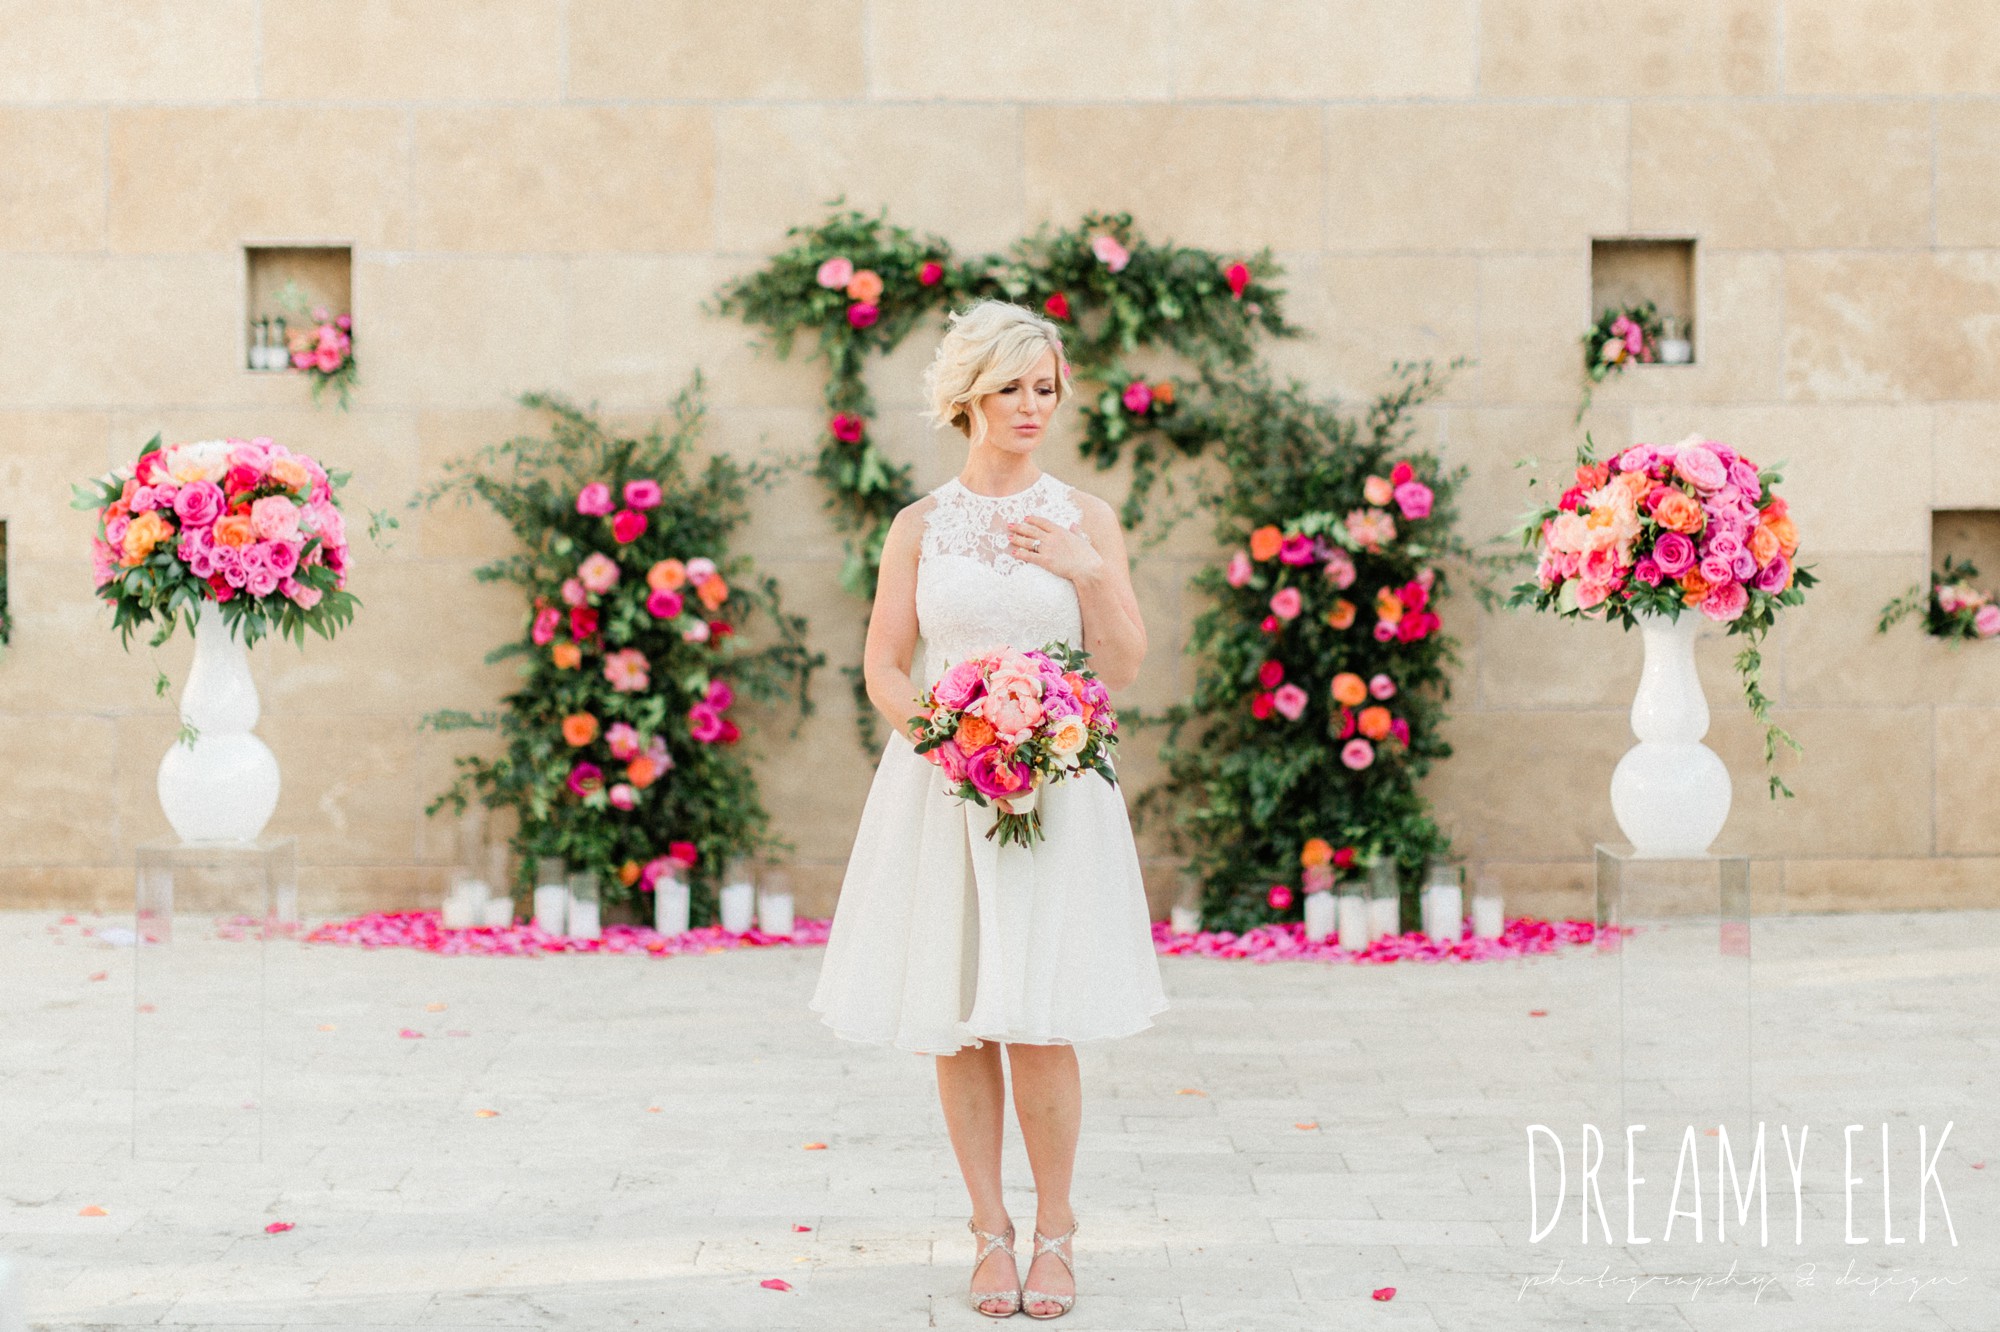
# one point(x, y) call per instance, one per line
point(1679, 511)
point(1342, 615)
point(1373, 722)
point(865, 285)
point(567, 656)
point(642, 772)
point(231, 530)
point(1787, 534)
point(1349, 690)
point(1763, 545)
point(1068, 736)
point(1266, 542)
point(712, 592)
point(1378, 491)
point(667, 576)
point(147, 531)
point(974, 733)
point(1316, 851)
point(1388, 606)
point(579, 729)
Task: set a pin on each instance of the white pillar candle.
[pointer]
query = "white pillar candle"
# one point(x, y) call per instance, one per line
point(1488, 920)
point(1185, 920)
point(737, 901)
point(670, 906)
point(1444, 912)
point(1353, 921)
point(1319, 916)
point(460, 913)
point(498, 913)
point(582, 920)
point(774, 912)
point(551, 907)
point(1385, 916)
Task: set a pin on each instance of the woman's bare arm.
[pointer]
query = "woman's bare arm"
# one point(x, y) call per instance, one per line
point(892, 625)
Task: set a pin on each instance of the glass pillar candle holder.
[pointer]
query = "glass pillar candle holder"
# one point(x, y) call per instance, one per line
point(774, 903)
point(551, 894)
point(464, 902)
point(584, 918)
point(1185, 917)
point(1320, 915)
point(736, 900)
point(1444, 901)
point(670, 904)
point(1385, 898)
point(1355, 925)
point(1489, 921)
point(499, 910)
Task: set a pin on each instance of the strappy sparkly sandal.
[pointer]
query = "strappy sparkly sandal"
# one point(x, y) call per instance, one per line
point(981, 1298)
point(1063, 1303)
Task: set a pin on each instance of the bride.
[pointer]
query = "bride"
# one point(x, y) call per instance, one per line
point(944, 942)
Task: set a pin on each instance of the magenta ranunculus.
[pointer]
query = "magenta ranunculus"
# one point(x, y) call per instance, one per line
point(664, 603)
point(1699, 467)
point(585, 779)
point(547, 620)
point(704, 723)
point(861, 314)
point(1138, 396)
point(594, 500)
point(959, 686)
point(642, 494)
point(930, 274)
point(1773, 576)
point(1357, 753)
point(1674, 554)
point(995, 777)
point(1414, 498)
point(1296, 550)
point(627, 526)
point(1290, 701)
point(1279, 896)
point(1648, 572)
point(720, 695)
point(1400, 729)
point(1725, 603)
point(1286, 604)
point(283, 557)
point(199, 505)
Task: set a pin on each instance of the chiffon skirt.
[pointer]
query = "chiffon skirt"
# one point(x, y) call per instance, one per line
point(944, 939)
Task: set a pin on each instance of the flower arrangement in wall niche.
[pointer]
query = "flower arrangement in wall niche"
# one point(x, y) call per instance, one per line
point(320, 345)
point(1955, 609)
point(245, 525)
point(1658, 530)
point(858, 285)
point(1622, 336)
point(1323, 657)
point(619, 748)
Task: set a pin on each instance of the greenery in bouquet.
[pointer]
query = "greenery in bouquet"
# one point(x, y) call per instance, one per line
point(245, 524)
point(1323, 662)
point(857, 286)
point(639, 635)
point(1954, 609)
point(1622, 336)
point(1661, 529)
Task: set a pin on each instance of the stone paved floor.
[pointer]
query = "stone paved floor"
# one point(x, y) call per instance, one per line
point(647, 1168)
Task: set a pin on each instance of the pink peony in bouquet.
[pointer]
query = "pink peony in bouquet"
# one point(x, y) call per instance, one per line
point(1006, 723)
point(244, 523)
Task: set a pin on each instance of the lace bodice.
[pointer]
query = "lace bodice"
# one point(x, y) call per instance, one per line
point(973, 595)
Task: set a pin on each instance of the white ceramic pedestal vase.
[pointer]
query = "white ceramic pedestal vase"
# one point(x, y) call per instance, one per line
point(1670, 792)
point(224, 786)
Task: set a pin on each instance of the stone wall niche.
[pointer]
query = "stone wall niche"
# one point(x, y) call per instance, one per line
point(323, 275)
point(1968, 534)
point(1624, 272)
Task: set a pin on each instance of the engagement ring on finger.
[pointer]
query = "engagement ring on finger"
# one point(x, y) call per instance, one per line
point(1037, 545)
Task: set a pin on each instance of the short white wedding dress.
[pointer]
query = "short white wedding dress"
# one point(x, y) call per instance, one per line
point(942, 938)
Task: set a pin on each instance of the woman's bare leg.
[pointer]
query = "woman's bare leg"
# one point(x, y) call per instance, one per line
point(972, 1089)
point(1048, 1099)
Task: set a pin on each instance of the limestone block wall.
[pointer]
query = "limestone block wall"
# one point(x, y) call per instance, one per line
point(541, 193)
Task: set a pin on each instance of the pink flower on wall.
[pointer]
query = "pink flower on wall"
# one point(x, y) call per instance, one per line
point(835, 273)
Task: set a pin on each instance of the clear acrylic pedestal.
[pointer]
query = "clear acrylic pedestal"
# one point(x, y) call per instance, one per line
point(203, 914)
point(1681, 1051)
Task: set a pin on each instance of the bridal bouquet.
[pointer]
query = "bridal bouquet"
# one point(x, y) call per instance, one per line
point(1004, 724)
point(244, 523)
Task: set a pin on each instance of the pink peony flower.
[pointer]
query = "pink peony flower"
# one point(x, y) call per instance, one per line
point(700, 569)
point(1381, 688)
point(1014, 715)
point(1289, 700)
point(704, 723)
point(1357, 754)
point(275, 518)
point(1697, 465)
point(1340, 569)
point(623, 796)
point(1725, 603)
point(1280, 896)
point(642, 494)
point(1286, 603)
point(1986, 622)
point(626, 669)
point(594, 500)
point(200, 504)
point(573, 593)
point(1296, 550)
point(835, 273)
point(623, 738)
point(861, 314)
point(598, 573)
point(1414, 498)
point(1138, 396)
point(1239, 570)
point(960, 685)
point(585, 779)
point(1110, 253)
point(664, 605)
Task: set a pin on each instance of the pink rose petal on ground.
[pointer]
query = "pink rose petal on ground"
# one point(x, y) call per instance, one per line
point(815, 1147)
point(1385, 1294)
point(93, 1210)
point(1538, 1012)
point(409, 1035)
point(277, 1227)
point(102, 975)
point(1979, 1165)
point(775, 1283)
point(801, 1230)
point(486, 1114)
point(1309, 1125)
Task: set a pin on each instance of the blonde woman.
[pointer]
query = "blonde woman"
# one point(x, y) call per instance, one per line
point(946, 943)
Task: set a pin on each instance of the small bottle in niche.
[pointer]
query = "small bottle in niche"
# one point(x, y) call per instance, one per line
point(258, 344)
point(1675, 346)
point(281, 352)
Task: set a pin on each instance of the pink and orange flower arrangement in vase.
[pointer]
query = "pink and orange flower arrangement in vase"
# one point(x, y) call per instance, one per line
point(1661, 538)
point(1005, 724)
point(240, 538)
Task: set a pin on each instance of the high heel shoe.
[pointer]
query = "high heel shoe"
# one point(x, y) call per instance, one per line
point(982, 1298)
point(1064, 1303)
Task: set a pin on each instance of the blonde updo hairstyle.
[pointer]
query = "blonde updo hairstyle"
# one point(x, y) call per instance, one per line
point(987, 347)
